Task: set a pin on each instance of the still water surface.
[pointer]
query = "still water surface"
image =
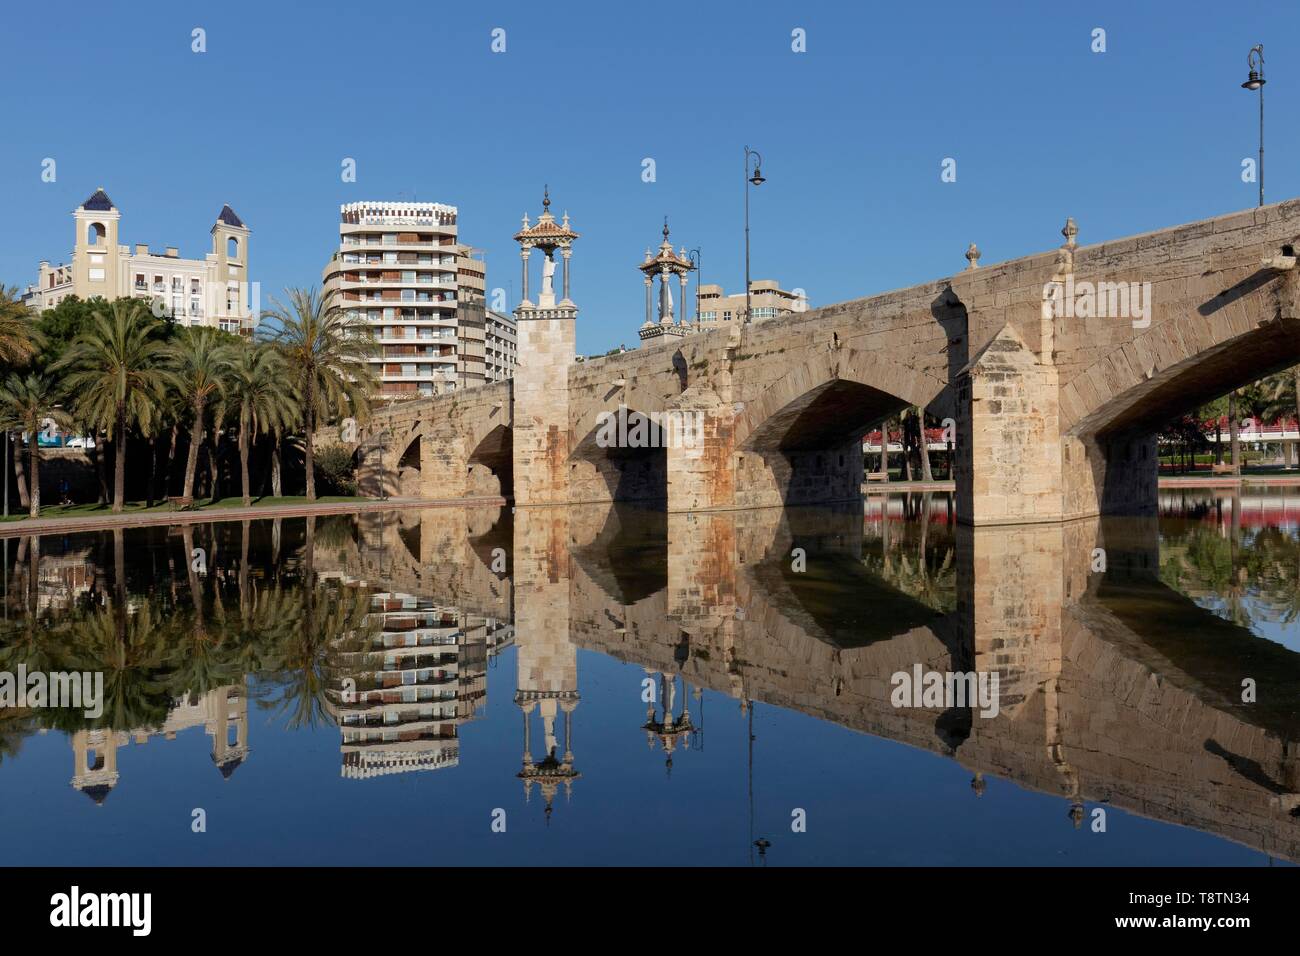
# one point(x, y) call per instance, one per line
point(620, 686)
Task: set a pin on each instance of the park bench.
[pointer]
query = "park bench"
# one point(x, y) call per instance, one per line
point(181, 502)
point(1224, 469)
point(876, 476)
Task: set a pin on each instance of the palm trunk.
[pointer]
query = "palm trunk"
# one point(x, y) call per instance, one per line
point(884, 450)
point(243, 457)
point(99, 467)
point(153, 472)
point(35, 452)
point(1233, 437)
point(907, 446)
point(277, 478)
point(309, 421)
point(171, 457)
point(192, 455)
point(927, 474)
point(20, 475)
point(214, 467)
point(119, 467)
point(1218, 441)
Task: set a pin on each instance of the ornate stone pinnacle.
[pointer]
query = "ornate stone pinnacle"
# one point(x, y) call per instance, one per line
point(1070, 231)
point(665, 227)
point(546, 198)
point(973, 256)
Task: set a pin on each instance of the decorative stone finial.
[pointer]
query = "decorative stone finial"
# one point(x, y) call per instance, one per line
point(546, 198)
point(1070, 231)
point(973, 256)
point(665, 227)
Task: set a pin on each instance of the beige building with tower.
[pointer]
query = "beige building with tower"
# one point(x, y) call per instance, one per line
point(402, 270)
point(212, 291)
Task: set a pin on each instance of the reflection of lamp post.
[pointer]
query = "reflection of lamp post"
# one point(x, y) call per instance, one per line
point(755, 180)
point(697, 261)
point(1255, 81)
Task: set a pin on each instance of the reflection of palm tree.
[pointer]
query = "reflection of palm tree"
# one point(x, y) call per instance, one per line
point(312, 665)
point(14, 727)
point(131, 652)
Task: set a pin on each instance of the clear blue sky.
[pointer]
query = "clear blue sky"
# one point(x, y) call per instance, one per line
point(1148, 134)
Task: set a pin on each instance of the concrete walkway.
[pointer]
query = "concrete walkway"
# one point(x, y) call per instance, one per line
point(107, 520)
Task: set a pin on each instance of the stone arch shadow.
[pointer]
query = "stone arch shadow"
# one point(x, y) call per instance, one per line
point(806, 429)
point(1112, 409)
point(629, 454)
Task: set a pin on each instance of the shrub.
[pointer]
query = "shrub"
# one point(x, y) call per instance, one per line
point(334, 470)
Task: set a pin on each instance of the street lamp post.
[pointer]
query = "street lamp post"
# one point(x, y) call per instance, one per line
point(697, 261)
point(750, 180)
point(1255, 81)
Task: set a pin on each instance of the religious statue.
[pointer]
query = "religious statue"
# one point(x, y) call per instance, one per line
point(548, 275)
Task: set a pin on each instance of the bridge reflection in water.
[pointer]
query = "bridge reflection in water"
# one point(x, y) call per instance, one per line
point(1120, 677)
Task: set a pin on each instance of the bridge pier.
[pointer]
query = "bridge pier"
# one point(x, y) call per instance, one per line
point(1008, 463)
point(701, 466)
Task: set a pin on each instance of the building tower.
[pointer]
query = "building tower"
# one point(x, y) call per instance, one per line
point(547, 346)
point(228, 296)
point(665, 265)
point(94, 762)
point(227, 713)
point(96, 254)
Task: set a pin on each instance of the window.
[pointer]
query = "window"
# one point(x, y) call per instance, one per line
point(232, 248)
point(139, 280)
point(726, 316)
point(95, 234)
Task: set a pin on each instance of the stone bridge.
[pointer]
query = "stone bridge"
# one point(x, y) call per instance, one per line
point(1055, 397)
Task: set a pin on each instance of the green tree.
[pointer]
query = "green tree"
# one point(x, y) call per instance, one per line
point(326, 350)
point(26, 404)
point(115, 376)
point(260, 396)
point(19, 338)
point(197, 364)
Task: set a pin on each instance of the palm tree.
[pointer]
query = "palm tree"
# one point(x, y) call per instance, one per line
point(197, 363)
point(258, 392)
point(326, 350)
point(25, 405)
point(19, 338)
point(116, 378)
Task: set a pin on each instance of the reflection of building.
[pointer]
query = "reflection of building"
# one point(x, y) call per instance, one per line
point(402, 270)
point(222, 713)
point(62, 579)
point(420, 672)
point(208, 291)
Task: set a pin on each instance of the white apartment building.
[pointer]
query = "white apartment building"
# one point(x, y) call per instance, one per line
point(401, 269)
point(501, 346)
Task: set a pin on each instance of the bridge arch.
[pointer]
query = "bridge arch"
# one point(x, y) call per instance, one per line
point(490, 463)
point(623, 457)
point(1192, 354)
point(807, 427)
